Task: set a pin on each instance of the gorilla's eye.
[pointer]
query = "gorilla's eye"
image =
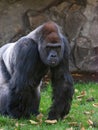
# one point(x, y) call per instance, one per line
point(48, 48)
point(58, 49)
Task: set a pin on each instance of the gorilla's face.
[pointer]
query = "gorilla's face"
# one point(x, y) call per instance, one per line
point(51, 46)
point(51, 53)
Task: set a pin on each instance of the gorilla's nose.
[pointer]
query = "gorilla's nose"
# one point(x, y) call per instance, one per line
point(53, 54)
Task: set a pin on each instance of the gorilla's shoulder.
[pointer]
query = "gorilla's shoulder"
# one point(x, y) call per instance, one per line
point(26, 41)
point(25, 44)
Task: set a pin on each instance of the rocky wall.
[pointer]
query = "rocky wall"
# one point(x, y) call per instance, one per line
point(77, 18)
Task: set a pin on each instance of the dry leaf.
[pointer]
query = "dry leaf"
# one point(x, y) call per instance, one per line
point(80, 96)
point(95, 104)
point(92, 111)
point(82, 128)
point(39, 117)
point(73, 123)
point(51, 121)
point(90, 122)
point(22, 124)
point(76, 90)
point(16, 124)
point(87, 113)
point(90, 99)
point(76, 74)
point(79, 99)
point(69, 128)
point(83, 93)
point(33, 122)
point(95, 124)
point(65, 117)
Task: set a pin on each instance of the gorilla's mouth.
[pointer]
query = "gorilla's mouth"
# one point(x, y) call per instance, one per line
point(53, 62)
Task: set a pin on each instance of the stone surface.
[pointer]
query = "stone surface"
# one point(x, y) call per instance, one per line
point(78, 19)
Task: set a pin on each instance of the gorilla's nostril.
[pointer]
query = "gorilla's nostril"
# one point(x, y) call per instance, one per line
point(53, 55)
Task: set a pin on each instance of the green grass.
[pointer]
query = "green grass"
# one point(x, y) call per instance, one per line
point(76, 120)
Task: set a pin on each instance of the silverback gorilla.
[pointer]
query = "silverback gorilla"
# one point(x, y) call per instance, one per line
point(22, 66)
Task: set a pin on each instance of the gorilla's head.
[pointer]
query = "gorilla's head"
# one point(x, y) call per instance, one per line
point(51, 45)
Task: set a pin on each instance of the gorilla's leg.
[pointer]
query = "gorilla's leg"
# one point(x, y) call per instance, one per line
point(4, 96)
point(36, 101)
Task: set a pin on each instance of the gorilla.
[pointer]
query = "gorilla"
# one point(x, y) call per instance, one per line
point(24, 63)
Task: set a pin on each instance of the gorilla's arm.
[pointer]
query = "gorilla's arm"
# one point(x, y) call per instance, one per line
point(26, 53)
point(21, 94)
point(62, 92)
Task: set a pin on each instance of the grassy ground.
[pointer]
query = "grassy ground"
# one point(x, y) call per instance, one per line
point(83, 114)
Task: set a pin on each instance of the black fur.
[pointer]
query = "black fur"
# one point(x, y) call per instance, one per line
point(22, 72)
